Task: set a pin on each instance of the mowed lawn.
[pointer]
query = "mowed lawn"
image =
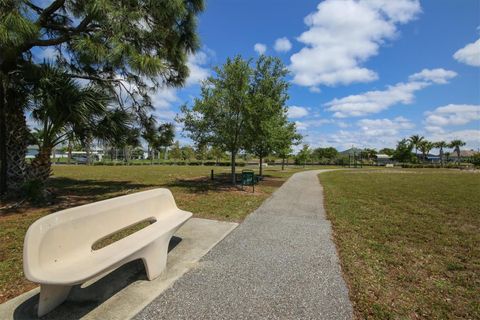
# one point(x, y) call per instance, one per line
point(75, 185)
point(409, 241)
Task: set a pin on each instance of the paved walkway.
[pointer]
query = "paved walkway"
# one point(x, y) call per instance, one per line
point(280, 263)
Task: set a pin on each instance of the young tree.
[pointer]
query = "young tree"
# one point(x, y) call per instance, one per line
point(320, 154)
point(114, 43)
point(188, 153)
point(219, 116)
point(289, 138)
point(456, 144)
point(268, 113)
point(176, 152)
point(403, 152)
point(304, 155)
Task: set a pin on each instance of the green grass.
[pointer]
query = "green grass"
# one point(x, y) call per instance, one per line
point(78, 184)
point(409, 241)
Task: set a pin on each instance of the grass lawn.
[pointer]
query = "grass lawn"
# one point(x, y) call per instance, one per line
point(75, 185)
point(409, 241)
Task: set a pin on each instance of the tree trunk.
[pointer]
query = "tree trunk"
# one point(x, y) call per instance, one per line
point(441, 157)
point(261, 167)
point(70, 147)
point(16, 142)
point(3, 139)
point(232, 164)
point(87, 144)
point(41, 166)
point(283, 163)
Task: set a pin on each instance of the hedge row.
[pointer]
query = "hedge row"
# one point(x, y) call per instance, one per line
point(170, 163)
point(436, 166)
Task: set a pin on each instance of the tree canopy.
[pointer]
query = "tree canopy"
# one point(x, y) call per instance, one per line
point(127, 48)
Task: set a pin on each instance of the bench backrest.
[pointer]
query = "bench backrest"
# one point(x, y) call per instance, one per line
point(70, 233)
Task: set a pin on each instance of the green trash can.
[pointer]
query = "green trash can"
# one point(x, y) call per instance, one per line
point(248, 178)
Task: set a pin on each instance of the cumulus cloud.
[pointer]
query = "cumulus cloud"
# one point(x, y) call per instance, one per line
point(439, 76)
point(379, 100)
point(344, 34)
point(163, 98)
point(196, 64)
point(260, 48)
point(282, 45)
point(315, 123)
point(470, 54)
point(470, 136)
point(384, 127)
point(452, 115)
point(297, 112)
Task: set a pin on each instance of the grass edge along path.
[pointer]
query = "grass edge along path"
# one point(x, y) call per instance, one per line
point(408, 241)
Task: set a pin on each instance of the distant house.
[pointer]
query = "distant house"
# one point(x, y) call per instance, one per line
point(351, 152)
point(383, 159)
point(32, 151)
point(465, 155)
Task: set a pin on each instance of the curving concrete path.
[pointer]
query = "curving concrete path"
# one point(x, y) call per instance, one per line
point(280, 263)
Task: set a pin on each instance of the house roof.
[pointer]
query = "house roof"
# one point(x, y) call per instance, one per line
point(383, 156)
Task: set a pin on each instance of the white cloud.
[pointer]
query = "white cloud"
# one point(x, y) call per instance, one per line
point(439, 75)
point(384, 127)
point(342, 35)
point(379, 100)
point(297, 112)
point(305, 124)
point(163, 98)
point(470, 54)
point(260, 48)
point(198, 72)
point(301, 126)
point(282, 45)
point(451, 115)
point(470, 136)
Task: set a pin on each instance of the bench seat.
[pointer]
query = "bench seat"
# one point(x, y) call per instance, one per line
point(58, 248)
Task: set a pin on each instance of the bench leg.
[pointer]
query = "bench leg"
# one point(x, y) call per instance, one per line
point(50, 297)
point(155, 257)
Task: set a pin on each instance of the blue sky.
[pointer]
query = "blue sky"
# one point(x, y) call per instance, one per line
point(363, 72)
point(353, 48)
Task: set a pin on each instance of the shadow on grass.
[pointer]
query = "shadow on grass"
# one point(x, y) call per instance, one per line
point(66, 193)
point(91, 187)
point(81, 301)
point(222, 182)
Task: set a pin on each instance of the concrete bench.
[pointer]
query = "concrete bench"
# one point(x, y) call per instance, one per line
point(58, 251)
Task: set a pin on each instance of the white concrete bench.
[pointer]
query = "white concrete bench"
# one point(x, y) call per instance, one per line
point(58, 251)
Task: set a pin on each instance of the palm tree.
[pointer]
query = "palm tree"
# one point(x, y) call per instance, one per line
point(416, 140)
point(456, 144)
point(150, 135)
point(166, 134)
point(60, 105)
point(425, 147)
point(440, 145)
